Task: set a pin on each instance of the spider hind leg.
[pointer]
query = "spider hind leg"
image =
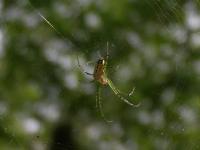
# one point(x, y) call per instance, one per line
point(99, 105)
point(119, 94)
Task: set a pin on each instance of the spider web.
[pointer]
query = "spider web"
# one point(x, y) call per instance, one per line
point(162, 102)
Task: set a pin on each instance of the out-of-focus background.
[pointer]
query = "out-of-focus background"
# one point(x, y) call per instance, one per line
point(48, 103)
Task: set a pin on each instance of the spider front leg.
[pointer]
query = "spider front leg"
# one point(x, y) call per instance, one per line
point(87, 73)
point(90, 74)
point(107, 54)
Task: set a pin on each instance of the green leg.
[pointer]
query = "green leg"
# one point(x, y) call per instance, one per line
point(118, 93)
point(99, 104)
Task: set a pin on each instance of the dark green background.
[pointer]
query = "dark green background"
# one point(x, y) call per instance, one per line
point(46, 102)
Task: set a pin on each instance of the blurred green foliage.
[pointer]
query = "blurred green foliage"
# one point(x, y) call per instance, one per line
point(46, 102)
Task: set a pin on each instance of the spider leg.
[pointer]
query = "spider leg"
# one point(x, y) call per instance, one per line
point(99, 105)
point(107, 48)
point(131, 92)
point(90, 62)
point(79, 65)
point(99, 54)
point(107, 54)
point(118, 93)
point(90, 74)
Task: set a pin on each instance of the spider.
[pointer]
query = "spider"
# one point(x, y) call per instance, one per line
point(100, 76)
